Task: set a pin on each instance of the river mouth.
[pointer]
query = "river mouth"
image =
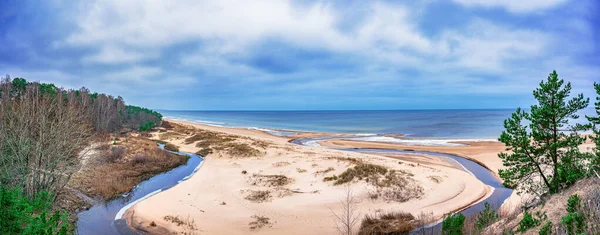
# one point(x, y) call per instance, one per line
point(105, 218)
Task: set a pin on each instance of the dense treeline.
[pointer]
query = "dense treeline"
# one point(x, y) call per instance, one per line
point(42, 127)
point(42, 130)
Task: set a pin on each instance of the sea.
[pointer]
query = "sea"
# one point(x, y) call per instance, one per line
point(418, 127)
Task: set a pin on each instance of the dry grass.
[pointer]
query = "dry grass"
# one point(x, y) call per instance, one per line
point(270, 180)
point(361, 171)
point(259, 222)
point(171, 147)
point(170, 135)
point(281, 164)
point(350, 160)
point(259, 196)
point(387, 223)
point(114, 154)
point(210, 142)
point(188, 224)
point(322, 172)
point(241, 150)
point(142, 160)
point(300, 170)
point(390, 185)
point(436, 179)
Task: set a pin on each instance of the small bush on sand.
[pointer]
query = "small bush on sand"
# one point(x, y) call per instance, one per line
point(171, 147)
point(188, 224)
point(241, 150)
point(322, 172)
point(330, 178)
point(387, 223)
point(259, 222)
point(436, 179)
point(360, 171)
point(204, 152)
point(270, 180)
point(259, 196)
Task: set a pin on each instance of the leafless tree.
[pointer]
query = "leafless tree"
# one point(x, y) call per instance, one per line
point(40, 135)
point(348, 217)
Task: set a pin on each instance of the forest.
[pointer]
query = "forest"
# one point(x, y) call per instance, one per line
point(42, 130)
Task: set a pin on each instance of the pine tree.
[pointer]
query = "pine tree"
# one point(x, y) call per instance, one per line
point(595, 121)
point(542, 145)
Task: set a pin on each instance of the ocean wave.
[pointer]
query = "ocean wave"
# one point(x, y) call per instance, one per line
point(208, 123)
point(419, 142)
point(365, 134)
point(261, 129)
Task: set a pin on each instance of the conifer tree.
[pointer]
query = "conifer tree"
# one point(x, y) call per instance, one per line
point(595, 121)
point(542, 145)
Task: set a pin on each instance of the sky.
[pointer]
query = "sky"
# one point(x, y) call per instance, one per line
point(304, 55)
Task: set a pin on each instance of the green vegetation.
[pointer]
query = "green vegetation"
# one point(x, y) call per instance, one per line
point(546, 229)
point(575, 221)
point(22, 215)
point(147, 126)
point(42, 130)
point(453, 224)
point(595, 122)
point(548, 142)
point(528, 222)
point(486, 217)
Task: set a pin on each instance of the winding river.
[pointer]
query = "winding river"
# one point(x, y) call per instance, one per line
point(106, 218)
point(496, 199)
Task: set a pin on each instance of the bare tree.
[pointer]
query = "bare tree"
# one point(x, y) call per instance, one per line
point(348, 217)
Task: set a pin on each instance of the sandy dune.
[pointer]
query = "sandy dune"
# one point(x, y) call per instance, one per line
point(215, 197)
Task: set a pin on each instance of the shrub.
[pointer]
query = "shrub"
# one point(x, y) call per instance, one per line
point(140, 159)
point(21, 215)
point(527, 222)
point(259, 196)
point(147, 126)
point(171, 147)
point(115, 154)
point(360, 171)
point(453, 224)
point(486, 217)
point(546, 229)
point(387, 223)
point(574, 221)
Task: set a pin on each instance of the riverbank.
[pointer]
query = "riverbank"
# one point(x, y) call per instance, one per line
point(280, 188)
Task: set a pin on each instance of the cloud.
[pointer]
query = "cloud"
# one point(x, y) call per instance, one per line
point(113, 55)
point(249, 51)
point(515, 6)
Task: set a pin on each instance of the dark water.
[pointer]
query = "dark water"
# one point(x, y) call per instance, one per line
point(100, 219)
